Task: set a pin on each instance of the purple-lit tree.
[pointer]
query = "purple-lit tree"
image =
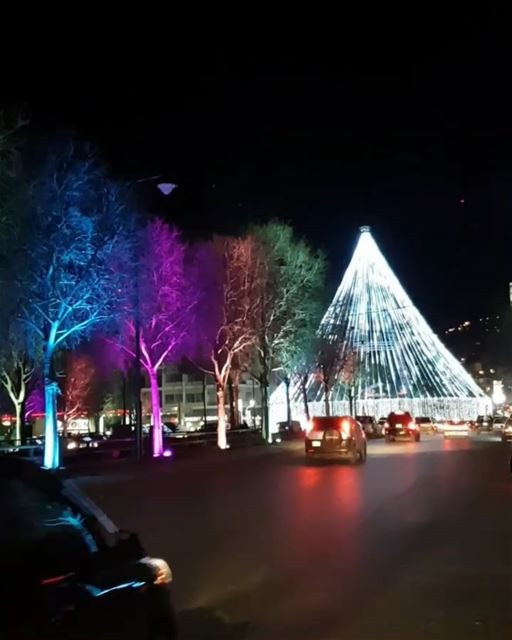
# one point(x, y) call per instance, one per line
point(78, 241)
point(228, 309)
point(165, 302)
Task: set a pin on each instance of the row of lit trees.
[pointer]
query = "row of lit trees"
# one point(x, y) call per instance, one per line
point(79, 262)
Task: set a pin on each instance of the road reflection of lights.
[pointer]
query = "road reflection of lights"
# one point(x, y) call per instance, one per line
point(348, 490)
point(456, 443)
point(308, 477)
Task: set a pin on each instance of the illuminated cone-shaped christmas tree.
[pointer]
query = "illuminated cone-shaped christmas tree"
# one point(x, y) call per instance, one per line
point(386, 356)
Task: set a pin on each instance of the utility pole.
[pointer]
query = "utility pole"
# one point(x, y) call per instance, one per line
point(138, 386)
point(204, 399)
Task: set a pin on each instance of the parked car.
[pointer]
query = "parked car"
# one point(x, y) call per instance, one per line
point(67, 571)
point(484, 423)
point(369, 424)
point(498, 424)
point(383, 423)
point(439, 425)
point(339, 436)
point(456, 429)
point(506, 434)
point(401, 424)
point(425, 424)
point(288, 431)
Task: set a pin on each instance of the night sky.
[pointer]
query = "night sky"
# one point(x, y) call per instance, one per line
point(401, 125)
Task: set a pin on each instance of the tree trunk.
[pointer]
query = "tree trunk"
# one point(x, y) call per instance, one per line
point(221, 418)
point(303, 383)
point(351, 400)
point(156, 415)
point(235, 390)
point(17, 433)
point(288, 403)
point(205, 412)
point(264, 382)
point(51, 457)
point(232, 405)
point(124, 393)
point(23, 429)
point(326, 399)
point(265, 414)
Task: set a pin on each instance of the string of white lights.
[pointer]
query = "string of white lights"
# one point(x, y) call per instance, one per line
point(400, 364)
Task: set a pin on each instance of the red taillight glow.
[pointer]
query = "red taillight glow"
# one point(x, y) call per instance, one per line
point(345, 429)
point(413, 425)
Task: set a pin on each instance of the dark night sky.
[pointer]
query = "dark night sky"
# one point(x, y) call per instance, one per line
point(380, 124)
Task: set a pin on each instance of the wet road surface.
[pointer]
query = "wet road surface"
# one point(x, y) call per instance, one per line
point(415, 544)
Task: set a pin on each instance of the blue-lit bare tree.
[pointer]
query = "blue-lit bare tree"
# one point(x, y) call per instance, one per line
point(78, 242)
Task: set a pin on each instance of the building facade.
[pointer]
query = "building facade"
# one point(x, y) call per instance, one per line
point(189, 398)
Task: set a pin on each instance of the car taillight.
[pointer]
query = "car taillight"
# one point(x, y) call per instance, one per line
point(345, 429)
point(413, 425)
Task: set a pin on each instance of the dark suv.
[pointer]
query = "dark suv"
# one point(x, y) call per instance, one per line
point(402, 425)
point(339, 436)
point(67, 571)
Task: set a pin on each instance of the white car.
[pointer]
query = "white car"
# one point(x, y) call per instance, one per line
point(439, 425)
point(456, 429)
point(498, 424)
point(425, 424)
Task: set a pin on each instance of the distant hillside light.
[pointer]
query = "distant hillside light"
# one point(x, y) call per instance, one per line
point(399, 361)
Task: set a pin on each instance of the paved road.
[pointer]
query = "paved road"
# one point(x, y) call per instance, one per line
point(415, 544)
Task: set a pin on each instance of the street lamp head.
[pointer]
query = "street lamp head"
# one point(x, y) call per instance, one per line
point(364, 229)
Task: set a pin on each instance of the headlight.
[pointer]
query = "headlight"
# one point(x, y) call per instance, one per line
point(161, 570)
point(71, 445)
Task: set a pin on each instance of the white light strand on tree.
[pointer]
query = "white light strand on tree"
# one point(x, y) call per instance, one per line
point(400, 364)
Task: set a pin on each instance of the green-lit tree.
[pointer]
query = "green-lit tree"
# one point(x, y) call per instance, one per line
point(291, 290)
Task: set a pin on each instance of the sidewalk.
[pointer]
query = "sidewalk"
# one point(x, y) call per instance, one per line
point(181, 459)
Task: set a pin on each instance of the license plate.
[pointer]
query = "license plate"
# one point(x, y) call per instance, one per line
point(316, 443)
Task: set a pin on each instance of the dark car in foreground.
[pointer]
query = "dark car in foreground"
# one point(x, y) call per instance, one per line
point(401, 424)
point(336, 436)
point(67, 571)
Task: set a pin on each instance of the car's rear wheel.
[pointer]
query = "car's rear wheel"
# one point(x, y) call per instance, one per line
point(417, 437)
point(362, 455)
point(388, 438)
